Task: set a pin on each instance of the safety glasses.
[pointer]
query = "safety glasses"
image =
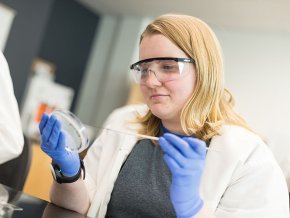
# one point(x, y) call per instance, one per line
point(165, 69)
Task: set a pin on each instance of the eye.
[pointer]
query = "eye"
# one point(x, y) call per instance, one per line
point(168, 67)
point(144, 70)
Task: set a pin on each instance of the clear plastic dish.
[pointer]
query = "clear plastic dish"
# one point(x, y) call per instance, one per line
point(76, 136)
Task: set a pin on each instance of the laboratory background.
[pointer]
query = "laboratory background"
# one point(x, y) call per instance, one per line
point(76, 55)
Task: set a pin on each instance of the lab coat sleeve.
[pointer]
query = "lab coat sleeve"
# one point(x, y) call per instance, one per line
point(11, 136)
point(257, 189)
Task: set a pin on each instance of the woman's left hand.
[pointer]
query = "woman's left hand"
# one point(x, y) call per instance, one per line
point(185, 158)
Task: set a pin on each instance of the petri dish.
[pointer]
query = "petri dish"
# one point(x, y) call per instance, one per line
point(76, 136)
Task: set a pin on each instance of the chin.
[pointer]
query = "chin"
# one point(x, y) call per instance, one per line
point(164, 112)
point(161, 114)
point(161, 110)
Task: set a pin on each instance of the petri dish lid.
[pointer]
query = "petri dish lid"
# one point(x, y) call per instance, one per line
point(76, 137)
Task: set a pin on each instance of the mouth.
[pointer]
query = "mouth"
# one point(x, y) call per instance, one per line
point(158, 96)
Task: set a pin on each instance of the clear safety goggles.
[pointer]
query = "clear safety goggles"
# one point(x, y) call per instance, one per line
point(165, 69)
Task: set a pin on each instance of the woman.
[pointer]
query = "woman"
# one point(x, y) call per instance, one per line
point(181, 78)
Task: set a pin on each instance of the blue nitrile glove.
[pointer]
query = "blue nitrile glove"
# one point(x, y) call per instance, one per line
point(53, 144)
point(185, 158)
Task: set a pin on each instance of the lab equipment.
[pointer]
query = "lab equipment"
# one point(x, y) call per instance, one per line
point(6, 209)
point(129, 133)
point(76, 133)
point(76, 136)
point(141, 136)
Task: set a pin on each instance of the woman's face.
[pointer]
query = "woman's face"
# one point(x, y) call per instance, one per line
point(167, 99)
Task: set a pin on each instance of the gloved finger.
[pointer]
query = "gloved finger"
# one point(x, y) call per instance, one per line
point(171, 151)
point(171, 163)
point(43, 122)
point(50, 141)
point(197, 145)
point(180, 144)
point(54, 137)
point(61, 142)
point(174, 167)
point(48, 128)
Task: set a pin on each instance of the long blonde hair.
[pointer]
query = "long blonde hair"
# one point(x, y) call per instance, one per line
point(211, 104)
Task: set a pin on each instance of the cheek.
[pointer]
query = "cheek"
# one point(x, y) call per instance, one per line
point(183, 91)
point(189, 85)
point(144, 92)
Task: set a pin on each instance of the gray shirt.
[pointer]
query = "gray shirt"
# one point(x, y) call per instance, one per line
point(143, 184)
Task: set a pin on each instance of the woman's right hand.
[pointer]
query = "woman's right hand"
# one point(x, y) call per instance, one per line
point(53, 144)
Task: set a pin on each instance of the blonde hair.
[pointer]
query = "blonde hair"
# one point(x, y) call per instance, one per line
point(211, 104)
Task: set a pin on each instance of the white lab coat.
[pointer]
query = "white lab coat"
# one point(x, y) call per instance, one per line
point(241, 177)
point(11, 136)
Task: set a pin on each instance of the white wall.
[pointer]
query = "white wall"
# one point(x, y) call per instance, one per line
point(106, 84)
point(258, 74)
point(89, 95)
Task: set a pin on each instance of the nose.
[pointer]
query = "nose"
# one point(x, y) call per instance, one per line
point(151, 80)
